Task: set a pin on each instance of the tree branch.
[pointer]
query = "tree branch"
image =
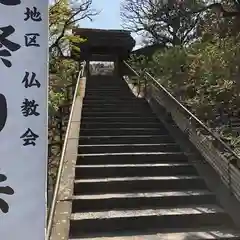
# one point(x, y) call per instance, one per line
point(84, 10)
point(218, 8)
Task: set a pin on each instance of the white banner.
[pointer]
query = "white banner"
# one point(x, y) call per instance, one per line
point(23, 118)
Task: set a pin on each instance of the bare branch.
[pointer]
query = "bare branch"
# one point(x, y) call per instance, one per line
point(78, 11)
point(167, 22)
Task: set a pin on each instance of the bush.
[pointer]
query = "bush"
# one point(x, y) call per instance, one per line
point(205, 78)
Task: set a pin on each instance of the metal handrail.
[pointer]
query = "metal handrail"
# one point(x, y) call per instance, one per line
point(192, 116)
point(138, 75)
point(61, 163)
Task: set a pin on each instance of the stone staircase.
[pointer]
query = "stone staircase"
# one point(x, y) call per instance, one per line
point(132, 181)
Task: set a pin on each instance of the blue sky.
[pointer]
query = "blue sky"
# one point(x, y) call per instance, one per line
point(109, 18)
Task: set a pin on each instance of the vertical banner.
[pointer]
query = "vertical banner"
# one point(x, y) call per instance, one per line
point(23, 118)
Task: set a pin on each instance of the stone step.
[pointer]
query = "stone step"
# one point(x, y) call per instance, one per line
point(110, 98)
point(140, 200)
point(112, 107)
point(100, 125)
point(117, 108)
point(106, 86)
point(106, 95)
point(122, 131)
point(136, 184)
point(114, 102)
point(122, 92)
point(132, 178)
point(132, 104)
point(195, 216)
point(199, 233)
point(109, 82)
point(103, 85)
point(100, 83)
point(96, 106)
point(108, 89)
point(133, 170)
point(112, 119)
point(125, 91)
point(116, 114)
point(97, 87)
point(131, 101)
point(131, 158)
point(126, 148)
point(151, 139)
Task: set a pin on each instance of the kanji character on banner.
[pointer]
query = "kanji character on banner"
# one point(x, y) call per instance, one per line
point(32, 81)
point(10, 46)
point(3, 111)
point(10, 2)
point(29, 138)
point(31, 40)
point(29, 108)
point(5, 190)
point(34, 15)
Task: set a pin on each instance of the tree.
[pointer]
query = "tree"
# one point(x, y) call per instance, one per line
point(219, 8)
point(165, 22)
point(205, 75)
point(63, 16)
point(221, 19)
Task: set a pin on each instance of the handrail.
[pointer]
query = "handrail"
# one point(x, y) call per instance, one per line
point(138, 81)
point(192, 116)
point(61, 163)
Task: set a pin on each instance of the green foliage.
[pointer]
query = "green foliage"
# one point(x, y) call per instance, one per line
point(61, 42)
point(140, 63)
point(204, 77)
point(63, 18)
point(62, 72)
point(54, 100)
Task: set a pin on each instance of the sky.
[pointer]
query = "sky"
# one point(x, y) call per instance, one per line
point(109, 17)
